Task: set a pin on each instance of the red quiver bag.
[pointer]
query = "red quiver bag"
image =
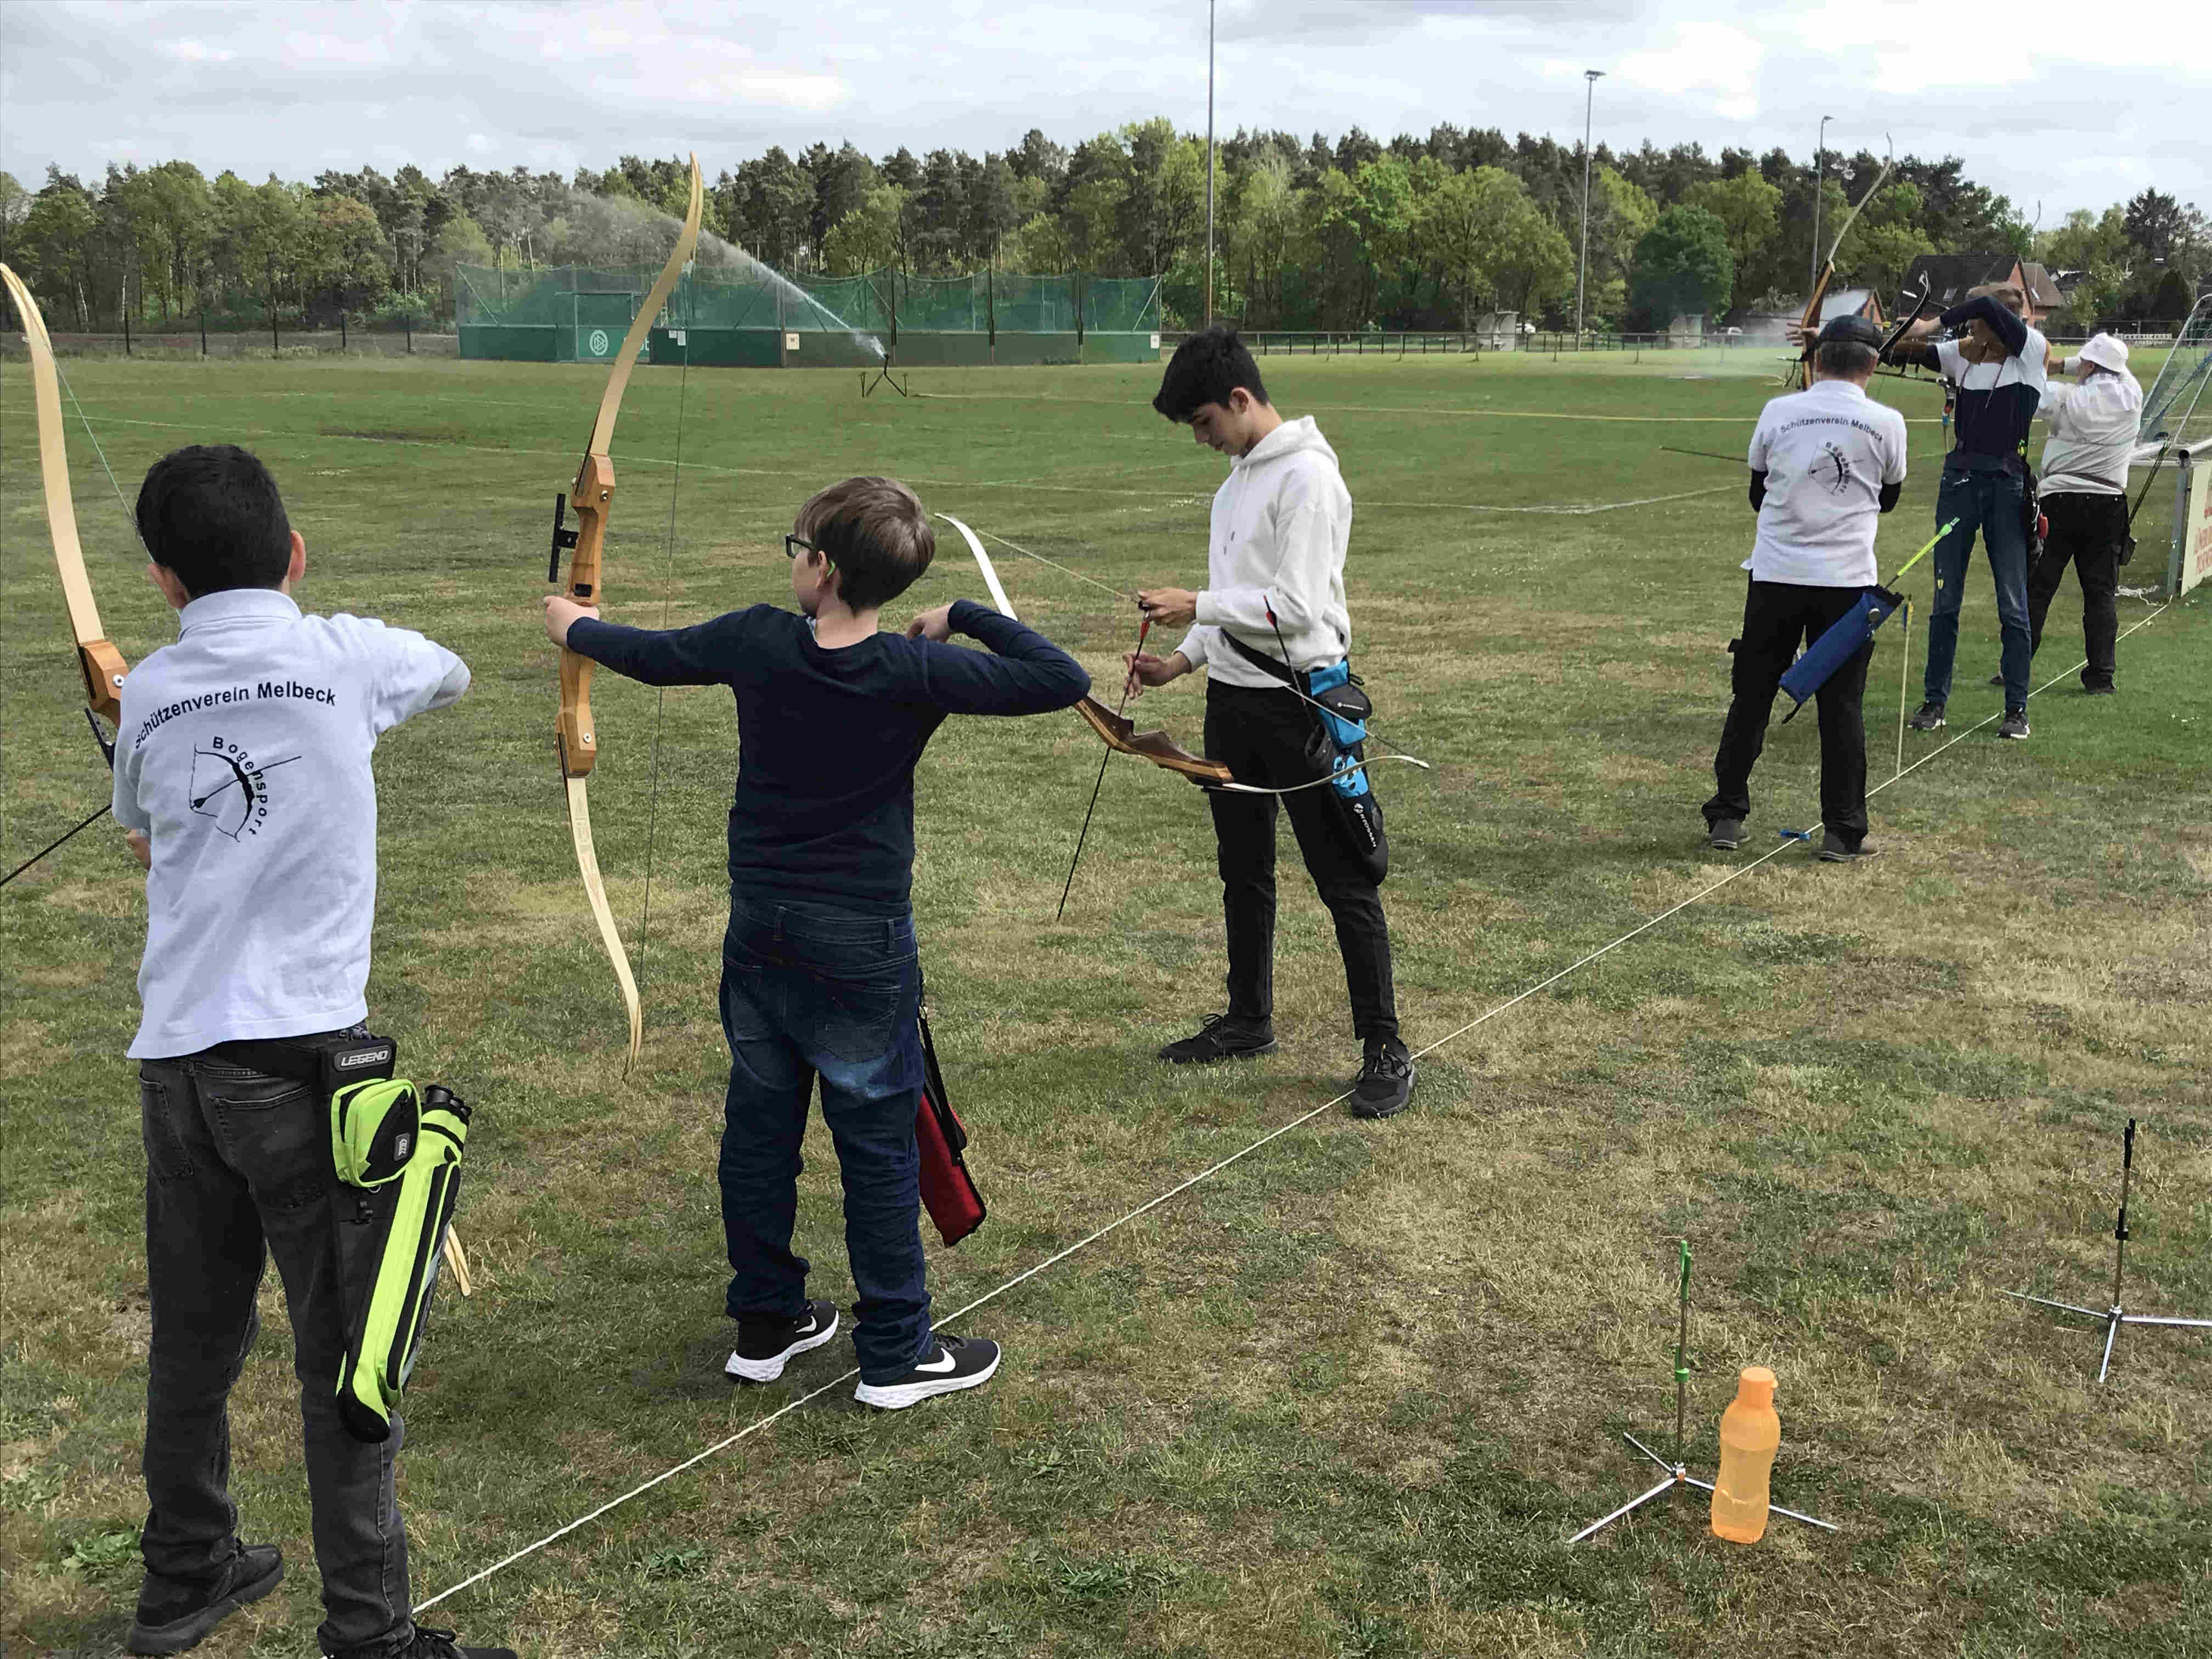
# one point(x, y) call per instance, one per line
point(947, 1191)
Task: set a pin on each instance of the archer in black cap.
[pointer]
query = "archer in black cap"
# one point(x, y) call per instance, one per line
point(1826, 463)
point(1852, 329)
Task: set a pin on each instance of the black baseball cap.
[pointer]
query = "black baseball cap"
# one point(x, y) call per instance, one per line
point(1849, 330)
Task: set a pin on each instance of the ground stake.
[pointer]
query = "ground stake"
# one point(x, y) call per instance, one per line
point(1678, 1472)
point(2114, 1316)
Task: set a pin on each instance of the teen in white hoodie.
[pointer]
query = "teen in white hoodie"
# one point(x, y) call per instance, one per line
point(1275, 588)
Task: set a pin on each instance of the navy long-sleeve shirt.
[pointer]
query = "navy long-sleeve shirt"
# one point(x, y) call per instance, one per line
point(827, 739)
point(1996, 401)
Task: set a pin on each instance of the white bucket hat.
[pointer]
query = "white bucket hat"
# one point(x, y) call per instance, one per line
point(2106, 352)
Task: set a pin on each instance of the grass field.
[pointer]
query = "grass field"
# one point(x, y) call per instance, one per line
point(1350, 1395)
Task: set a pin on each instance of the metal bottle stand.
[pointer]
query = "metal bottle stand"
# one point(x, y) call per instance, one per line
point(1678, 1472)
point(2116, 1316)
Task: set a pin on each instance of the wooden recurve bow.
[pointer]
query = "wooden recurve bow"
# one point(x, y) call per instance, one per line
point(1808, 325)
point(98, 660)
point(591, 496)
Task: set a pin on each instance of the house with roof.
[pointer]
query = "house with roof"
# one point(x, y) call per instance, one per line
point(1952, 277)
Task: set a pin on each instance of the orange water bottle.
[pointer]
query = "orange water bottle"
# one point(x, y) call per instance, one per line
point(1750, 1431)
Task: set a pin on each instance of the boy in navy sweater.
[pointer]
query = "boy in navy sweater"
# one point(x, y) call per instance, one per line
point(819, 971)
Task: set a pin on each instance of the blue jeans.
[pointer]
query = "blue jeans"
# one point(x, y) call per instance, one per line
point(810, 990)
point(1988, 501)
point(238, 1170)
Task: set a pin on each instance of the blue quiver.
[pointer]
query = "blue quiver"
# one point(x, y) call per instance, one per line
point(1846, 637)
point(1343, 711)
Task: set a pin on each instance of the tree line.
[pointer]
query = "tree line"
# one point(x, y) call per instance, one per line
point(1414, 232)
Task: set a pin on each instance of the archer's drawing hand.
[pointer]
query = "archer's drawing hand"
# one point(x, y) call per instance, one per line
point(1147, 670)
point(932, 624)
point(560, 612)
point(1169, 607)
point(141, 847)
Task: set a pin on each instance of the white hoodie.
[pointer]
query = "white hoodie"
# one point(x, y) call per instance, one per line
point(1281, 521)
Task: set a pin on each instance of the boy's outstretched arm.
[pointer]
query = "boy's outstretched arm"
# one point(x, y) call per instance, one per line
point(702, 654)
point(1025, 674)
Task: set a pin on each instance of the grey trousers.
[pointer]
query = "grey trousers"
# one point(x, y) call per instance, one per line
point(238, 1170)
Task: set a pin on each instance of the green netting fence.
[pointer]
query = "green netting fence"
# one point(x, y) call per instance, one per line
point(752, 316)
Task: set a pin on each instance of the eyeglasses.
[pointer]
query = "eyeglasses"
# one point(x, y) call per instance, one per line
point(795, 545)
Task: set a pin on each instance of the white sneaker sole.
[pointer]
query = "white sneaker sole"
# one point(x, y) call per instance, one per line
point(767, 1371)
point(898, 1396)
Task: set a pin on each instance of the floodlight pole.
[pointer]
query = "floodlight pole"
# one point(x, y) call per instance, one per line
point(1820, 189)
point(1582, 259)
point(1209, 163)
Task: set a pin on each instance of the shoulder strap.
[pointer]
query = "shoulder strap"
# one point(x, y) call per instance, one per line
point(1267, 664)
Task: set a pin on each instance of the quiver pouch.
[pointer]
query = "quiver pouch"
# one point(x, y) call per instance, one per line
point(391, 1233)
point(1341, 715)
point(948, 1191)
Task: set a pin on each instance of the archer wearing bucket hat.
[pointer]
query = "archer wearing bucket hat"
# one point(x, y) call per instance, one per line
point(2093, 427)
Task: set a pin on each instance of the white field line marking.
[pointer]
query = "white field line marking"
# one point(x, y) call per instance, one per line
point(634, 460)
point(1182, 1187)
point(1387, 409)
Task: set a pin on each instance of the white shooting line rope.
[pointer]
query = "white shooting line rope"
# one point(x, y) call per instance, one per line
point(759, 1424)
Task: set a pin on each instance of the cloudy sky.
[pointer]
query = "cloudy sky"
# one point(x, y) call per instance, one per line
point(295, 88)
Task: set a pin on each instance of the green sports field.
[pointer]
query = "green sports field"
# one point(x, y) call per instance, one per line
point(1350, 1394)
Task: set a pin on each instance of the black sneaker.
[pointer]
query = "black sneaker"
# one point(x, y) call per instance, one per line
point(2013, 725)
point(1724, 834)
point(1834, 851)
point(1385, 1087)
point(955, 1363)
point(763, 1345)
point(1221, 1038)
point(2106, 691)
point(1997, 682)
point(1929, 719)
point(173, 1617)
point(438, 1644)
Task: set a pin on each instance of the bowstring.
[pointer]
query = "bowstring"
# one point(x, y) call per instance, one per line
point(92, 438)
point(1065, 570)
point(660, 697)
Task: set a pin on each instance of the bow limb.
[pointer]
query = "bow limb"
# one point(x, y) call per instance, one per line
point(98, 660)
point(1810, 324)
point(575, 731)
point(1235, 789)
point(983, 563)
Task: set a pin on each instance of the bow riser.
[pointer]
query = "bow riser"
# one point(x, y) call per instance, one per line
point(1121, 734)
point(592, 496)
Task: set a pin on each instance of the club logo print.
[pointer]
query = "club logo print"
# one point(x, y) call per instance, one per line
point(601, 343)
point(229, 786)
point(1842, 470)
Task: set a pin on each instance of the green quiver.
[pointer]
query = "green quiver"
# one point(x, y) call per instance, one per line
point(389, 1255)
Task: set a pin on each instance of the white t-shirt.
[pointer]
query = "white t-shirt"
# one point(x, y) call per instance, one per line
point(1826, 453)
point(244, 754)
